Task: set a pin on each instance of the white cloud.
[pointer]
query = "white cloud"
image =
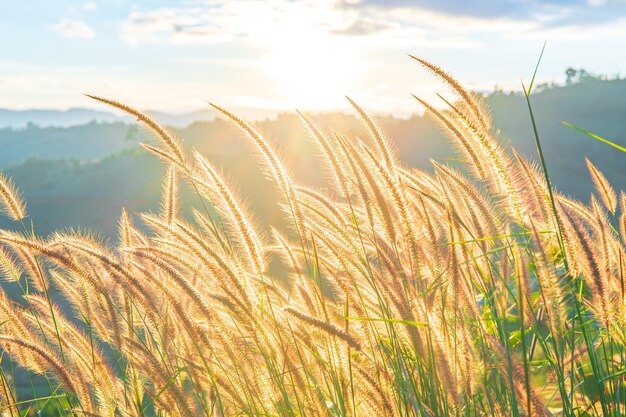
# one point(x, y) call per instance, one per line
point(249, 20)
point(74, 29)
point(265, 24)
point(299, 24)
point(308, 54)
point(189, 25)
point(90, 6)
point(400, 23)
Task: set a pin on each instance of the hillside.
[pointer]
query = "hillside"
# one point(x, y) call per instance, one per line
point(88, 142)
point(19, 119)
point(84, 175)
point(22, 119)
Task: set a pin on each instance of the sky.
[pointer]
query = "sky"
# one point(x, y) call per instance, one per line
point(273, 56)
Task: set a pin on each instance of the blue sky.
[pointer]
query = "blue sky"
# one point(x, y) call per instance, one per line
point(267, 56)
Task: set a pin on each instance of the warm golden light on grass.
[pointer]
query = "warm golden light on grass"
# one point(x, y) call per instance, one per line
point(472, 290)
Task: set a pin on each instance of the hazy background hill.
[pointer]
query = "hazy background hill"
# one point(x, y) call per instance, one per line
point(19, 119)
point(81, 176)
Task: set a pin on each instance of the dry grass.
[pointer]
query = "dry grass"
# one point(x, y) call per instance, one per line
point(467, 292)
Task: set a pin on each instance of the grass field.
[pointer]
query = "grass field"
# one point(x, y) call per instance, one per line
point(476, 290)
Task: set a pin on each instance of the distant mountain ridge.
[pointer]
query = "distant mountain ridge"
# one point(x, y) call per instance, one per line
point(20, 119)
point(609, 94)
point(81, 176)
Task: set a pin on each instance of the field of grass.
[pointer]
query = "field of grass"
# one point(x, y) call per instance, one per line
point(476, 290)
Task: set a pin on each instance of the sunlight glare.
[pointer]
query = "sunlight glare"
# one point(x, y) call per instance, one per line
point(311, 68)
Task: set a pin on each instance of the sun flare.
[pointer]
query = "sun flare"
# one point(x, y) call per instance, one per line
point(312, 77)
point(307, 63)
point(294, 208)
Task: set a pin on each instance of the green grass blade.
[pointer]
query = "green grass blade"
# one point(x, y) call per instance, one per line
point(594, 136)
point(532, 81)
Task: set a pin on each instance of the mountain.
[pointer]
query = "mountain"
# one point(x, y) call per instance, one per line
point(180, 120)
point(19, 119)
point(88, 142)
point(82, 176)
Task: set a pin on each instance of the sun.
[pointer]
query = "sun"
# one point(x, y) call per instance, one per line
point(309, 65)
point(313, 77)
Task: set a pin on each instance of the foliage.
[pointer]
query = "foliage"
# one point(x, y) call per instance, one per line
point(468, 292)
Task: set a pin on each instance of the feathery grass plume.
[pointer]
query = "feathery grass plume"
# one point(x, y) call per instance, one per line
point(180, 322)
point(604, 189)
point(194, 330)
point(169, 196)
point(583, 212)
point(31, 265)
point(536, 406)
point(12, 204)
point(209, 257)
point(278, 171)
point(171, 143)
point(306, 291)
point(593, 274)
point(8, 404)
point(161, 154)
point(9, 269)
point(335, 164)
point(136, 384)
point(56, 256)
point(455, 274)
point(84, 304)
point(363, 169)
point(382, 144)
point(367, 212)
point(52, 362)
point(318, 219)
point(329, 328)
point(478, 112)
point(464, 261)
point(460, 140)
point(550, 286)
point(524, 289)
point(603, 235)
point(341, 270)
point(425, 225)
point(489, 149)
point(501, 178)
point(446, 346)
point(321, 199)
point(399, 200)
point(87, 363)
point(534, 186)
point(120, 274)
point(128, 235)
point(14, 324)
point(179, 278)
point(124, 230)
point(622, 217)
point(173, 397)
point(421, 181)
point(247, 235)
point(208, 227)
point(489, 212)
point(378, 389)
